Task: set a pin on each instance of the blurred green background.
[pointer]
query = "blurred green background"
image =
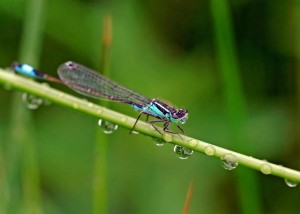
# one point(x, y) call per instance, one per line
point(181, 51)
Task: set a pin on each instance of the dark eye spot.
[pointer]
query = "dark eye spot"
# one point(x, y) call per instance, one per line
point(70, 64)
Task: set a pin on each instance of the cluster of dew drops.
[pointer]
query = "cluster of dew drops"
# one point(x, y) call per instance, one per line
point(228, 161)
point(180, 151)
point(34, 102)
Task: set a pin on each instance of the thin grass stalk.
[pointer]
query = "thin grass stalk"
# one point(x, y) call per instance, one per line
point(235, 102)
point(22, 131)
point(101, 141)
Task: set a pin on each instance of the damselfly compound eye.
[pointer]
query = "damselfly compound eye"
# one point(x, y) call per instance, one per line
point(70, 65)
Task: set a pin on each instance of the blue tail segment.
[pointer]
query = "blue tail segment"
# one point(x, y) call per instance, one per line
point(28, 70)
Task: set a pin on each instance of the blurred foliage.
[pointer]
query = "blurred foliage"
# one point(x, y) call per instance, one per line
point(162, 49)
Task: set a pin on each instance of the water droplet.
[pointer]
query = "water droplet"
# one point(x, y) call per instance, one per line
point(108, 127)
point(229, 161)
point(167, 137)
point(182, 152)
point(32, 101)
point(134, 132)
point(75, 106)
point(123, 119)
point(290, 183)
point(193, 142)
point(158, 142)
point(266, 168)
point(209, 150)
point(90, 104)
point(99, 110)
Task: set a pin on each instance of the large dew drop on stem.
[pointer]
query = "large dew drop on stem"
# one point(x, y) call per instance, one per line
point(108, 127)
point(229, 161)
point(209, 150)
point(290, 183)
point(31, 101)
point(159, 142)
point(182, 152)
point(266, 168)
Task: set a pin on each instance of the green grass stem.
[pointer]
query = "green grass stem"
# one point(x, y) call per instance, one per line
point(9, 79)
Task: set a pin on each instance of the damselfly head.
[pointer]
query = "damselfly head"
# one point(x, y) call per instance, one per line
point(69, 65)
point(181, 115)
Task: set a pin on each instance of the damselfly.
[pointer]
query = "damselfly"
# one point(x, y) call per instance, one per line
point(85, 81)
